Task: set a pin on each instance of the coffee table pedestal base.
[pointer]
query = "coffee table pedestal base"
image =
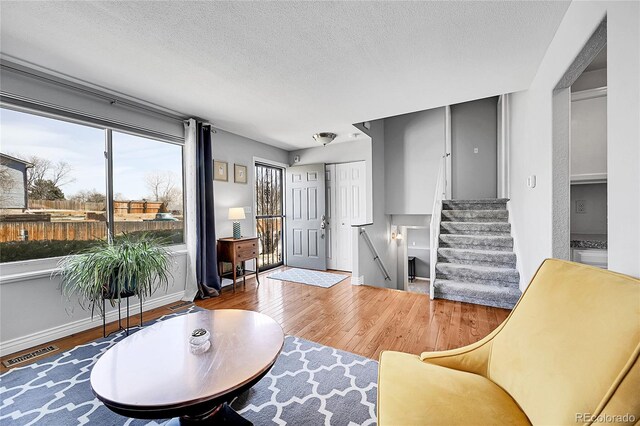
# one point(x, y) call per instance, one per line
point(223, 415)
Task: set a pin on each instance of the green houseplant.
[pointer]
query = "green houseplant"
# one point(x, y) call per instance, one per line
point(130, 265)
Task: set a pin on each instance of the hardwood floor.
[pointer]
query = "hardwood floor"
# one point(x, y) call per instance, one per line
point(360, 319)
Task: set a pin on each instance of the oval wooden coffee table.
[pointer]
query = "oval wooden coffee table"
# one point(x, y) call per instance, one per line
point(152, 374)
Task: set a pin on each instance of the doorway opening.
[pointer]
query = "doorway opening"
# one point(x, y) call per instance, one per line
point(579, 154)
point(418, 259)
point(588, 164)
point(269, 215)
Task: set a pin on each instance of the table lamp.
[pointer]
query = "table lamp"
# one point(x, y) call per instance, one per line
point(236, 214)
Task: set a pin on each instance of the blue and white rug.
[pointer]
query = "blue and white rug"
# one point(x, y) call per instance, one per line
point(308, 276)
point(310, 384)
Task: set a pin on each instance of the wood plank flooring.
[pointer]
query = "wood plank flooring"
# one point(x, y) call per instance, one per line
point(360, 319)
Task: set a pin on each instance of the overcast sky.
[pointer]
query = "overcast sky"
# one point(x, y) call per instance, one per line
point(23, 135)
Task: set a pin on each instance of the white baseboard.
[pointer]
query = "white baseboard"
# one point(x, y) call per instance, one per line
point(60, 331)
point(357, 280)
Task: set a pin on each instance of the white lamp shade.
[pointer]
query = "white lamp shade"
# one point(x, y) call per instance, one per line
point(236, 213)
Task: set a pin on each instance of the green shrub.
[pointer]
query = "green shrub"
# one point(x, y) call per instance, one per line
point(15, 251)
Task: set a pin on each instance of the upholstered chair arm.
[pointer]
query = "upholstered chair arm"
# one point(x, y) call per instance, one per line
point(472, 358)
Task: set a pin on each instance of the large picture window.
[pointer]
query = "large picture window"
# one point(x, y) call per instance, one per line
point(53, 186)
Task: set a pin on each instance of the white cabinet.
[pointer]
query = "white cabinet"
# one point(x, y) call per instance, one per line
point(589, 136)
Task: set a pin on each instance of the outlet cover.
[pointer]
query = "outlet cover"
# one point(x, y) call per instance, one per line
point(581, 206)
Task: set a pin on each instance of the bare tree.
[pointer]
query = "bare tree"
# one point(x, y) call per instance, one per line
point(162, 187)
point(44, 169)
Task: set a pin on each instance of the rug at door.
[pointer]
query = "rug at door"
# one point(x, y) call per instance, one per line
point(310, 384)
point(310, 277)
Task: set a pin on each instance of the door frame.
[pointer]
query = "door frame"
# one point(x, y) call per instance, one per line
point(284, 167)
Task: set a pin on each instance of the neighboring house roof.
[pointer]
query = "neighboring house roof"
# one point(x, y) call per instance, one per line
point(8, 157)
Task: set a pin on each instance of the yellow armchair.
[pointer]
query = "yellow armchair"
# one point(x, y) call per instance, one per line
point(568, 354)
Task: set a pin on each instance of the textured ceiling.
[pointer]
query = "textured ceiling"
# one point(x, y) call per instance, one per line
point(278, 72)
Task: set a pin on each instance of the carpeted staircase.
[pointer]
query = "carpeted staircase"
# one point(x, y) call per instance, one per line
point(476, 262)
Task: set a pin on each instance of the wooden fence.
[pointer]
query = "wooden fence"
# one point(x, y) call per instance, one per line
point(10, 231)
point(119, 207)
point(65, 205)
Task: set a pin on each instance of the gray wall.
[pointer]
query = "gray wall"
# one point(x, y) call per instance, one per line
point(236, 149)
point(594, 220)
point(590, 80)
point(413, 146)
point(474, 125)
point(418, 245)
point(367, 270)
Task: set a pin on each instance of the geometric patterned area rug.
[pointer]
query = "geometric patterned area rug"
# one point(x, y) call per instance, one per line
point(310, 384)
point(308, 276)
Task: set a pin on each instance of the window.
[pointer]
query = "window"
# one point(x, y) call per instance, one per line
point(147, 187)
point(53, 186)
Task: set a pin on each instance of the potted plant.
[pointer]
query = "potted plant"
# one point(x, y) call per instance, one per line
point(130, 265)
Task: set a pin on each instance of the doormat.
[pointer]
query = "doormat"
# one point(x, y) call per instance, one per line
point(310, 277)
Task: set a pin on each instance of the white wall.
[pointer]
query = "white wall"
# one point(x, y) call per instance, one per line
point(379, 233)
point(531, 137)
point(236, 149)
point(413, 146)
point(33, 311)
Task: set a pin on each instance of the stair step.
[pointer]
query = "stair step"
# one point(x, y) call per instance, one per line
point(487, 204)
point(477, 242)
point(488, 275)
point(500, 297)
point(504, 259)
point(476, 228)
point(475, 215)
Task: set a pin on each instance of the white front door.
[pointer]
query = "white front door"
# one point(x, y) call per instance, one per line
point(305, 220)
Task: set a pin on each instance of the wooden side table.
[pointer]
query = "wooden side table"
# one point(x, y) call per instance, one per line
point(237, 251)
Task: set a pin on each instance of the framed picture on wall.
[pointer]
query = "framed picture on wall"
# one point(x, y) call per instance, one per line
point(239, 173)
point(220, 171)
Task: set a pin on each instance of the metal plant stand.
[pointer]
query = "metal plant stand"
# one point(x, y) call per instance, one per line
point(126, 295)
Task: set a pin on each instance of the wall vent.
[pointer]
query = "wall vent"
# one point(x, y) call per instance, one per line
point(180, 305)
point(11, 362)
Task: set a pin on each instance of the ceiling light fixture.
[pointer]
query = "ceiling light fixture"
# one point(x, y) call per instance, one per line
point(324, 137)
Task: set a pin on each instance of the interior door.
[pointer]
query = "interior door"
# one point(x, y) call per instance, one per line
point(343, 217)
point(331, 229)
point(306, 220)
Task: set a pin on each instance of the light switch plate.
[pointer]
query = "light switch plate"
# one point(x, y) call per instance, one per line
point(581, 206)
